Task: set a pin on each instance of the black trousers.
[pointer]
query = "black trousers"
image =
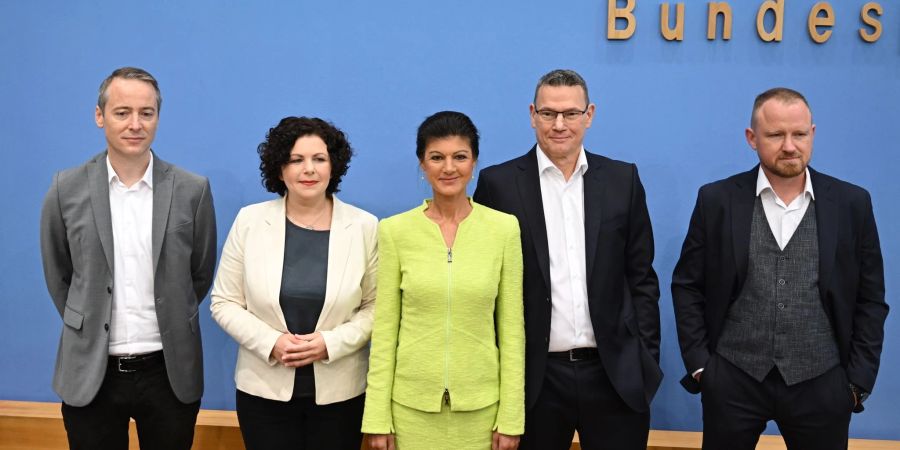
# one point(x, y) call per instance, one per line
point(163, 422)
point(299, 424)
point(814, 414)
point(579, 396)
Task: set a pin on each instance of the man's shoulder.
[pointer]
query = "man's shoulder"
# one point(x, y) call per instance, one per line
point(181, 175)
point(825, 181)
point(77, 174)
point(514, 164)
point(596, 158)
point(738, 180)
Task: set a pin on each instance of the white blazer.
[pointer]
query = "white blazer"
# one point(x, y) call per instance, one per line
point(245, 301)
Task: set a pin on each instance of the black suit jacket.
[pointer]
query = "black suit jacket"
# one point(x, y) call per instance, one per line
point(713, 267)
point(623, 291)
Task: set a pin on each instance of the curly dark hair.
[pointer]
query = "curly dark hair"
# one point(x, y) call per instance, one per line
point(275, 152)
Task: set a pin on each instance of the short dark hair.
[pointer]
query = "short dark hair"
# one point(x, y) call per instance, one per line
point(275, 152)
point(562, 77)
point(127, 73)
point(783, 94)
point(446, 124)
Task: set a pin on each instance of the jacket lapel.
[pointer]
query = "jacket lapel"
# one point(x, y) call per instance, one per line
point(163, 189)
point(340, 242)
point(594, 195)
point(826, 227)
point(743, 197)
point(273, 256)
point(529, 185)
point(98, 180)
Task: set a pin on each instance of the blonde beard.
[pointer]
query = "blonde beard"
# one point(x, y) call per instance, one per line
point(787, 170)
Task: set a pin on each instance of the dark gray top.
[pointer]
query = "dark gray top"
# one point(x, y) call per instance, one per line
point(303, 280)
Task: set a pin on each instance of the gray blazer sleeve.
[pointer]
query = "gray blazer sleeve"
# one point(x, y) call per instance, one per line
point(203, 257)
point(55, 254)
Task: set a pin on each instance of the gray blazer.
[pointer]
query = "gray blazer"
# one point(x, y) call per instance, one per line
point(77, 252)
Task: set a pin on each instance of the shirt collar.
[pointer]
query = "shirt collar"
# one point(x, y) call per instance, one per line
point(544, 162)
point(762, 184)
point(147, 178)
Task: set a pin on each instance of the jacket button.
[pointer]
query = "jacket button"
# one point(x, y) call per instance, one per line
point(109, 289)
point(105, 327)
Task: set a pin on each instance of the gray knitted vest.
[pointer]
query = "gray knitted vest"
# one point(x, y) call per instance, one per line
point(778, 319)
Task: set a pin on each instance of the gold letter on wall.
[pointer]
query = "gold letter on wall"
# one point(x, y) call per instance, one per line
point(669, 34)
point(825, 21)
point(777, 7)
point(626, 13)
point(716, 8)
point(871, 21)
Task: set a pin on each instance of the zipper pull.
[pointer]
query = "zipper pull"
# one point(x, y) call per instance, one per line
point(449, 255)
point(446, 397)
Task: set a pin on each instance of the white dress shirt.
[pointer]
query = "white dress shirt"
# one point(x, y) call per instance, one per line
point(783, 219)
point(570, 321)
point(133, 329)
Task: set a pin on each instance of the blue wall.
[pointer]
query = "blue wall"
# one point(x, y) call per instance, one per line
point(231, 70)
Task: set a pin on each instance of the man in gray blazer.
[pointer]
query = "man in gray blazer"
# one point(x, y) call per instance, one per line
point(128, 243)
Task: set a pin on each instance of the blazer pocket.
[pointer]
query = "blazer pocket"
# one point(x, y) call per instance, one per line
point(194, 321)
point(73, 318)
point(615, 225)
point(176, 228)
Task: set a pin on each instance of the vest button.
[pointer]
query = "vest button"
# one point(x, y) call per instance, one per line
point(781, 306)
point(781, 282)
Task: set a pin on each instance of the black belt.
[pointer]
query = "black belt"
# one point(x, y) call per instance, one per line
point(576, 354)
point(135, 363)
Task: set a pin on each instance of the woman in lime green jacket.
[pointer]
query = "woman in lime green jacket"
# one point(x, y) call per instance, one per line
point(448, 347)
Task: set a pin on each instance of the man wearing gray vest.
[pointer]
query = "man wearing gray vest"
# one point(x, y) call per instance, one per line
point(779, 292)
point(128, 243)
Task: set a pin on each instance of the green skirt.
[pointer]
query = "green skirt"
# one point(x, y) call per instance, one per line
point(450, 430)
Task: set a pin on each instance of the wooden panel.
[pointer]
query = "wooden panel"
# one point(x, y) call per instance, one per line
point(39, 426)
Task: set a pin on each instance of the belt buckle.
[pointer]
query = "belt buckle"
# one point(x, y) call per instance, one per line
point(572, 357)
point(119, 360)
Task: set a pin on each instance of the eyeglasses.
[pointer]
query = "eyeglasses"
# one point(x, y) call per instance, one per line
point(549, 115)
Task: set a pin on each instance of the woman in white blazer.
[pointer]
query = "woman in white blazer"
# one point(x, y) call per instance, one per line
point(296, 288)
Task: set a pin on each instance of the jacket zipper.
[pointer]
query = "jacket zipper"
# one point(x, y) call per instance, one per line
point(447, 328)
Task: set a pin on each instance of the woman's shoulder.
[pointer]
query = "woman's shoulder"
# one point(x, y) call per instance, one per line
point(259, 210)
point(404, 219)
point(355, 213)
point(496, 219)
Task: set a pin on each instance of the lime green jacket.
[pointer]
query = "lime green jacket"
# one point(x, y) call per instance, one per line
point(448, 320)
